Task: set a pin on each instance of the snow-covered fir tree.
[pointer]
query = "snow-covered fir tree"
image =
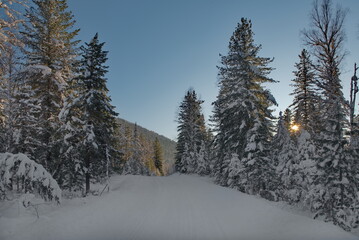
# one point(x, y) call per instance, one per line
point(191, 133)
point(242, 115)
point(334, 192)
point(203, 159)
point(257, 175)
point(26, 111)
point(306, 168)
point(90, 119)
point(49, 46)
point(233, 167)
point(283, 152)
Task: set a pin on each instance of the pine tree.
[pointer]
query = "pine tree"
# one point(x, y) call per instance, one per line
point(334, 193)
point(51, 48)
point(191, 133)
point(304, 103)
point(241, 113)
point(158, 156)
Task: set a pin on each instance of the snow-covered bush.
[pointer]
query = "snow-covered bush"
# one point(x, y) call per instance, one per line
point(19, 169)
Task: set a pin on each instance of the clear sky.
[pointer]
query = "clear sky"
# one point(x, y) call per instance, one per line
point(158, 49)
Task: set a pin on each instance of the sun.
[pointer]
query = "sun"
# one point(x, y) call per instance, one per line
point(295, 127)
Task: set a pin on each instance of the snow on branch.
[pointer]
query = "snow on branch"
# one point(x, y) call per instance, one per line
point(31, 175)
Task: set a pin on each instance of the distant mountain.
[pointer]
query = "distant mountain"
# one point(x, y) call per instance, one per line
point(168, 146)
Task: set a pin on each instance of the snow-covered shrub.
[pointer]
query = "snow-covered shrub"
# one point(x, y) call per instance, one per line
point(31, 175)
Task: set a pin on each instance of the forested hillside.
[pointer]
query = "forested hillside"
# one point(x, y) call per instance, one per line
point(168, 145)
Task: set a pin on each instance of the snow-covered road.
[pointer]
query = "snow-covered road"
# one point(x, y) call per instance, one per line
point(155, 208)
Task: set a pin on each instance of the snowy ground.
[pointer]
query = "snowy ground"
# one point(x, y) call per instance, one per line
point(154, 208)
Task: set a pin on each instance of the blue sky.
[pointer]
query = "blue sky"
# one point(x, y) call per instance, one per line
point(158, 49)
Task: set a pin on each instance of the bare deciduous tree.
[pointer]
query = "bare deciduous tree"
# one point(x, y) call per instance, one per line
point(326, 39)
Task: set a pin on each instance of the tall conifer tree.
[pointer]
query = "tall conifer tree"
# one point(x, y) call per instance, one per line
point(241, 113)
point(90, 118)
point(50, 50)
point(191, 133)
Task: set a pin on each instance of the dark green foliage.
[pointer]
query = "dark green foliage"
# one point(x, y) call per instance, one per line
point(283, 159)
point(191, 133)
point(50, 52)
point(90, 119)
point(242, 115)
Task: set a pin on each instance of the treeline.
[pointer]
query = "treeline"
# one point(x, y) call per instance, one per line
point(168, 146)
point(54, 104)
point(140, 155)
point(311, 157)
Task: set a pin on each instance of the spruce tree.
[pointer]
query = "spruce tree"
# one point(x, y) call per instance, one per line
point(283, 153)
point(191, 133)
point(203, 159)
point(26, 112)
point(306, 168)
point(99, 114)
point(50, 49)
point(90, 118)
point(241, 113)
